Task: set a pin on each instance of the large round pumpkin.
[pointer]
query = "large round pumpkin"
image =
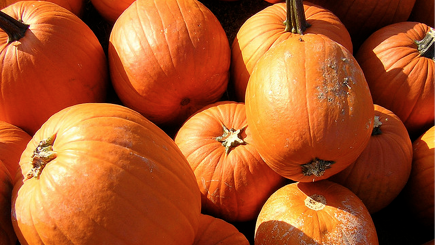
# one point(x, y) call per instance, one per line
point(399, 68)
point(75, 6)
point(322, 212)
point(309, 108)
point(233, 179)
point(168, 58)
point(383, 168)
point(50, 60)
point(7, 233)
point(99, 173)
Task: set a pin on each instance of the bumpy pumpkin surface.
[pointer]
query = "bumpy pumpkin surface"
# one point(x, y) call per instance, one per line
point(309, 108)
point(7, 233)
point(103, 174)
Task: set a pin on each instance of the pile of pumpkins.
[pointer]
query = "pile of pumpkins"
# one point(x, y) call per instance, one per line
point(315, 116)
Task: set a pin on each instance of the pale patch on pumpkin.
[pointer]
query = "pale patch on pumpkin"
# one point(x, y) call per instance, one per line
point(315, 202)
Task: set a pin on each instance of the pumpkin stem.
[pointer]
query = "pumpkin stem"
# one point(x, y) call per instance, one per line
point(230, 138)
point(316, 167)
point(42, 155)
point(377, 126)
point(426, 46)
point(14, 28)
point(296, 21)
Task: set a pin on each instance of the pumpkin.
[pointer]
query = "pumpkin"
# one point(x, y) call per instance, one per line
point(309, 108)
point(431, 242)
point(265, 29)
point(187, 59)
point(213, 231)
point(110, 10)
point(7, 234)
point(13, 141)
point(419, 191)
point(50, 60)
point(383, 168)
point(322, 212)
point(398, 62)
point(100, 173)
point(75, 6)
point(423, 11)
point(233, 179)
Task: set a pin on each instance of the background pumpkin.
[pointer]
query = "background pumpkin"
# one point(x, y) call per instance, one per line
point(7, 234)
point(110, 10)
point(75, 6)
point(423, 11)
point(110, 176)
point(57, 62)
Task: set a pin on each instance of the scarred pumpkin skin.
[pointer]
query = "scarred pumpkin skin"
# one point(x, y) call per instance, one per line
point(399, 77)
point(322, 212)
point(58, 63)
point(309, 108)
point(383, 168)
point(75, 6)
point(265, 29)
point(187, 59)
point(233, 179)
point(110, 10)
point(7, 234)
point(110, 177)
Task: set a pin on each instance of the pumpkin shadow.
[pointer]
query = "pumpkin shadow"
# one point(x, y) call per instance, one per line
point(280, 232)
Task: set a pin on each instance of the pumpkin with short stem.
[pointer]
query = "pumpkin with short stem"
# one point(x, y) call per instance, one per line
point(233, 179)
point(50, 60)
point(110, 10)
point(383, 168)
point(7, 234)
point(322, 212)
point(214, 231)
point(13, 141)
point(266, 28)
point(98, 173)
point(75, 6)
point(398, 63)
point(168, 59)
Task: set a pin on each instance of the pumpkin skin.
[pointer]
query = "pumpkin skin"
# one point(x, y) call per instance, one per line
point(233, 179)
point(13, 141)
point(213, 231)
point(322, 212)
point(75, 6)
point(400, 79)
point(265, 29)
point(383, 168)
point(7, 234)
point(309, 108)
point(421, 14)
point(116, 178)
point(36, 81)
point(110, 10)
point(187, 64)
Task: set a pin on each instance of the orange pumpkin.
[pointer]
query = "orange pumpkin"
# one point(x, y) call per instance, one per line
point(309, 108)
point(75, 6)
point(50, 60)
point(398, 62)
point(13, 141)
point(7, 234)
point(322, 212)
point(266, 28)
point(214, 231)
point(98, 173)
point(187, 59)
point(110, 10)
point(383, 168)
point(233, 179)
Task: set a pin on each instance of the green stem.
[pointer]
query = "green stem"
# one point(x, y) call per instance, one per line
point(296, 21)
point(426, 45)
point(14, 28)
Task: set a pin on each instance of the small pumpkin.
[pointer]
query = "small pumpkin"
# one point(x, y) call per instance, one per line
point(383, 168)
point(75, 6)
point(233, 179)
point(322, 212)
point(7, 234)
point(98, 173)
point(110, 10)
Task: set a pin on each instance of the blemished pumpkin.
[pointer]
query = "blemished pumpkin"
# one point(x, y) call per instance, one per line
point(168, 59)
point(309, 108)
point(99, 173)
point(75, 6)
point(50, 60)
point(382, 170)
point(322, 212)
point(215, 231)
point(265, 29)
point(110, 10)
point(7, 233)
point(398, 63)
point(13, 141)
point(233, 179)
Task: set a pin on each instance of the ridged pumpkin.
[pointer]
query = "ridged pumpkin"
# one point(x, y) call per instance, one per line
point(13, 141)
point(383, 168)
point(322, 212)
point(99, 173)
point(7, 234)
point(399, 68)
point(233, 179)
point(266, 28)
point(215, 231)
point(309, 108)
point(75, 6)
point(110, 10)
point(50, 60)
point(168, 59)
